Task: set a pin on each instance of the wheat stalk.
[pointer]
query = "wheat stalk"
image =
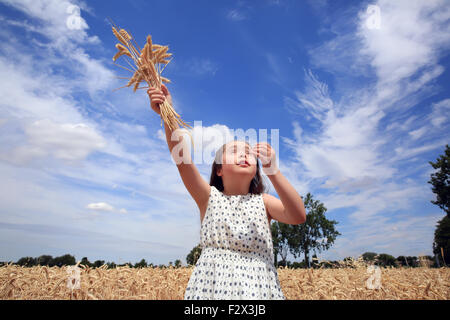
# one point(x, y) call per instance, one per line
point(147, 67)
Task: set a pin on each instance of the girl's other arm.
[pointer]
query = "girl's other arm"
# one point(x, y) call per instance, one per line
point(290, 209)
point(198, 188)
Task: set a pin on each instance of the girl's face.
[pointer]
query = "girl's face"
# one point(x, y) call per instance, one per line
point(238, 159)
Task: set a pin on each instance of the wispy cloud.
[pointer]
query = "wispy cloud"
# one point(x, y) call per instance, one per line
point(195, 67)
point(202, 67)
point(347, 151)
point(236, 15)
point(276, 75)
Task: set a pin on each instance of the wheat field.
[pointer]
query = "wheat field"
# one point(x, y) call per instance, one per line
point(42, 282)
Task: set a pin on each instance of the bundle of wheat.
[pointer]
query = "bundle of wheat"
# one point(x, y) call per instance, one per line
point(147, 66)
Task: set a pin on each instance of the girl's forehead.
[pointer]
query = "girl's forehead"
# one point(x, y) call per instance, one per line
point(237, 143)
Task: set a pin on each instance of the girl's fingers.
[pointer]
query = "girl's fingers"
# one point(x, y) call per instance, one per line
point(164, 90)
point(263, 144)
point(262, 157)
point(157, 99)
point(155, 90)
point(157, 96)
point(261, 151)
point(256, 154)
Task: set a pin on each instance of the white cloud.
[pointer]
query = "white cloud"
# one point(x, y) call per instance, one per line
point(100, 206)
point(411, 151)
point(315, 102)
point(51, 17)
point(67, 142)
point(440, 113)
point(417, 134)
point(65, 46)
point(236, 15)
point(103, 206)
point(342, 152)
point(160, 134)
point(407, 40)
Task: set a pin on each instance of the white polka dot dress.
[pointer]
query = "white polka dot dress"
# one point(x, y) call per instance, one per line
point(236, 262)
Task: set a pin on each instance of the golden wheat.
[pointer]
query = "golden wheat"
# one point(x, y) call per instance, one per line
point(346, 283)
point(147, 63)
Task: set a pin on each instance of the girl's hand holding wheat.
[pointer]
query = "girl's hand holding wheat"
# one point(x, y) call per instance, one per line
point(267, 156)
point(158, 96)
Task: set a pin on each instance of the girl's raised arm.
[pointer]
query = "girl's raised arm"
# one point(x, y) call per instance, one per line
point(198, 188)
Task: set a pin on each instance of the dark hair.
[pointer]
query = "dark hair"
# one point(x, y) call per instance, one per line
point(257, 185)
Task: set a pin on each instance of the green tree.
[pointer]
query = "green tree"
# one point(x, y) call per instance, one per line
point(276, 239)
point(177, 263)
point(317, 233)
point(408, 261)
point(193, 256)
point(281, 233)
point(413, 261)
point(402, 262)
point(386, 260)
point(98, 263)
point(442, 240)
point(441, 181)
point(27, 262)
point(141, 264)
point(65, 260)
point(86, 262)
point(369, 256)
point(44, 260)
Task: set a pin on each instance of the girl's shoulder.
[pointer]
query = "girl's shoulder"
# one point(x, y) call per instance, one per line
point(214, 190)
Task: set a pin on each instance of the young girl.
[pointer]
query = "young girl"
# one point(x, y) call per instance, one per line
point(237, 259)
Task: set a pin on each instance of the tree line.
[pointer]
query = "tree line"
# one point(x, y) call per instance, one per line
point(69, 260)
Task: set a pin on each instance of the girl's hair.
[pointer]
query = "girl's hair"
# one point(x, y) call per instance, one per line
point(257, 185)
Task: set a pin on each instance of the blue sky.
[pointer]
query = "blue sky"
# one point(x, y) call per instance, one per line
point(360, 111)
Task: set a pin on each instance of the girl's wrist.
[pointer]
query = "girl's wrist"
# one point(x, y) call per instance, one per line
point(270, 170)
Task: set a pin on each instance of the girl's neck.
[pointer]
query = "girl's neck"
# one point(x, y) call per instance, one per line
point(235, 190)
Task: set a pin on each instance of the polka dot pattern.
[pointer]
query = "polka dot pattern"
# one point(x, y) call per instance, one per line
point(237, 251)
